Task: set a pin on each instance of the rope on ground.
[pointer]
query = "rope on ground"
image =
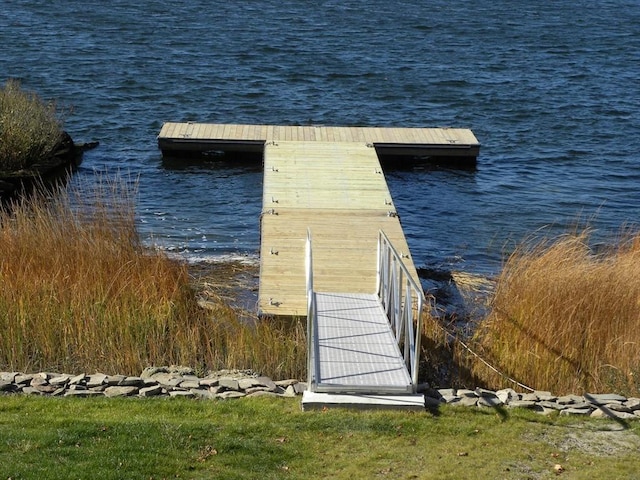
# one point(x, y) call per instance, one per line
point(491, 367)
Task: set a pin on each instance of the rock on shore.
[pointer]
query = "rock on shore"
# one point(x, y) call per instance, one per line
point(590, 404)
point(231, 384)
point(65, 158)
point(154, 381)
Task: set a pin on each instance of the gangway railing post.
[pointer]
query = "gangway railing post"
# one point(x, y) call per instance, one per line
point(403, 301)
point(311, 314)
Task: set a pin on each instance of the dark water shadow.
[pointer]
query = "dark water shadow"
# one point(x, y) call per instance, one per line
point(246, 161)
point(427, 163)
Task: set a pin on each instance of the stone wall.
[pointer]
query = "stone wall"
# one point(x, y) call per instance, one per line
point(595, 405)
point(228, 384)
point(154, 381)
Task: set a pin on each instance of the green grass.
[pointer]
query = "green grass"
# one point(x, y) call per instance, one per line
point(51, 438)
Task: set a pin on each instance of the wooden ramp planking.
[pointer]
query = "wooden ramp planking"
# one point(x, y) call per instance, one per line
point(338, 191)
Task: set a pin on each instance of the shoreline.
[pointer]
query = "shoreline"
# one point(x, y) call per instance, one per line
point(234, 282)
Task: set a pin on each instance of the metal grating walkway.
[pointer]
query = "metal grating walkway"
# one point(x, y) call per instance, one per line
point(354, 349)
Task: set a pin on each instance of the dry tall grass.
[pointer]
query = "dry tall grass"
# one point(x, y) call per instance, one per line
point(29, 128)
point(567, 320)
point(78, 292)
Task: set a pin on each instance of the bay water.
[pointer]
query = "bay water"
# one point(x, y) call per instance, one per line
point(550, 89)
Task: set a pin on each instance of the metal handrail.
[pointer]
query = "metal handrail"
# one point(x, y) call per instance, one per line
point(403, 301)
point(311, 314)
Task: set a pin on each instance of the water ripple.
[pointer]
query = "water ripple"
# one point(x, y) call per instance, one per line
point(550, 91)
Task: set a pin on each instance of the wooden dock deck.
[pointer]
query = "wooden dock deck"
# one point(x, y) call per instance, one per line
point(326, 179)
point(202, 138)
point(328, 182)
point(338, 191)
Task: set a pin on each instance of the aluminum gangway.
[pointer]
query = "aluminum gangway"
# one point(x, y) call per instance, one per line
point(363, 348)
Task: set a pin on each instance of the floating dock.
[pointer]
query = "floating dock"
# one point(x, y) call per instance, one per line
point(327, 183)
point(328, 180)
point(457, 145)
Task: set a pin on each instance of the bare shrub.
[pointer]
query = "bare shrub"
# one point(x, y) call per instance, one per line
point(29, 128)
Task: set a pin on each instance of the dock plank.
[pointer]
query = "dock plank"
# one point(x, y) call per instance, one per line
point(167, 130)
point(334, 189)
point(443, 136)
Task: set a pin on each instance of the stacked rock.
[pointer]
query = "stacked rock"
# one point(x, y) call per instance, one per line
point(226, 384)
point(592, 404)
point(154, 381)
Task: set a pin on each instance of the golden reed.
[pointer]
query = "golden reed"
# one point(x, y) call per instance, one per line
point(78, 292)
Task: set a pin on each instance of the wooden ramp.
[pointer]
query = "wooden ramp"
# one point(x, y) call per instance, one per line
point(338, 191)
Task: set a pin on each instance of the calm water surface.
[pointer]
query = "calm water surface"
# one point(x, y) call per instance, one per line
point(551, 91)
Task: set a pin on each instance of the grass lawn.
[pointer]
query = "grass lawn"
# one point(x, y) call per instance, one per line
point(47, 438)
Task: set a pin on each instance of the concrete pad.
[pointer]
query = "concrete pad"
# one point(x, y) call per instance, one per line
point(318, 401)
